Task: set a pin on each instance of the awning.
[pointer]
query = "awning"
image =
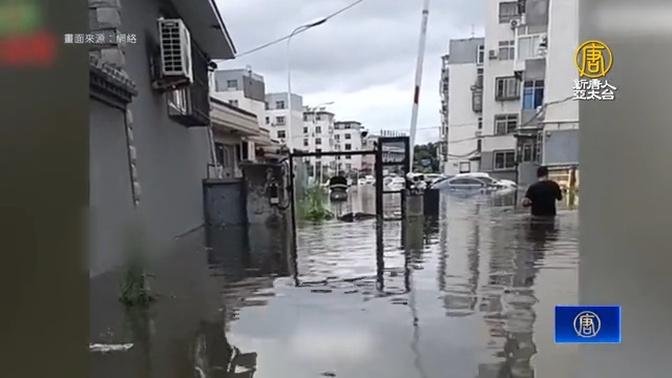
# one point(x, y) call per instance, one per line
point(228, 118)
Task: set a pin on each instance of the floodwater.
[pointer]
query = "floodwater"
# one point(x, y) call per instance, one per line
point(470, 294)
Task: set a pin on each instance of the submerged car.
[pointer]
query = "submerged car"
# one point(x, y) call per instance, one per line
point(474, 182)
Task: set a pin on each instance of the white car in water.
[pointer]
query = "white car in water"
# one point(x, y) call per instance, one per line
point(474, 182)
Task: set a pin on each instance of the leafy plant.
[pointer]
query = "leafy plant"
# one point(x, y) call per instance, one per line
point(313, 207)
point(134, 284)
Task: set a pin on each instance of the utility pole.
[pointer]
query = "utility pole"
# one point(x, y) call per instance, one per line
point(418, 77)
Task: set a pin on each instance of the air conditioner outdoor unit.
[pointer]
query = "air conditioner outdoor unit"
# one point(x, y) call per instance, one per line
point(175, 61)
point(492, 54)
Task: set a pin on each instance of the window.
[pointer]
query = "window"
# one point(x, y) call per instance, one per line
point(305, 130)
point(533, 94)
point(348, 136)
point(507, 88)
point(347, 125)
point(219, 153)
point(268, 120)
point(465, 167)
point(318, 117)
point(318, 130)
point(527, 152)
point(348, 147)
point(280, 120)
point(233, 103)
point(528, 47)
point(505, 159)
point(480, 54)
point(305, 142)
point(177, 100)
point(318, 141)
point(508, 11)
point(305, 117)
point(281, 134)
point(479, 145)
point(505, 123)
point(506, 50)
point(477, 101)
point(244, 151)
point(337, 137)
point(348, 156)
point(480, 123)
point(232, 84)
point(479, 77)
point(266, 105)
point(280, 104)
point(348, 166)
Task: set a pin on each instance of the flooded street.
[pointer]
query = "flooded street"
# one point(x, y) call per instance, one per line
point(470, 294)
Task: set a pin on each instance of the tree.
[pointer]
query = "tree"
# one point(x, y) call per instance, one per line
point(426, 158)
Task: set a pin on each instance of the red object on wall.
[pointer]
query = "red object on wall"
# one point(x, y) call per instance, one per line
point(28, 50)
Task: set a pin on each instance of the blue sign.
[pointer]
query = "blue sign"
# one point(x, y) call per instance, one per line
point(588, 324)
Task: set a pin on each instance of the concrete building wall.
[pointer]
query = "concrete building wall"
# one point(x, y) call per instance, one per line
point(494, 33)
point(296, 114)
point(110, 193)
point(561, 147)
point(563, 39)
point(462, 120)
point(172, 159)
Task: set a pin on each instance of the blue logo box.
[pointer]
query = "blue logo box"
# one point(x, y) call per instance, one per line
point(587, 324)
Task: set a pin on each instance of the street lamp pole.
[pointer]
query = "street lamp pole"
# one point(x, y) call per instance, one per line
point(294, 32)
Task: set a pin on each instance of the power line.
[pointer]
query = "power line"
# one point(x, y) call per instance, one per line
point(271, 43)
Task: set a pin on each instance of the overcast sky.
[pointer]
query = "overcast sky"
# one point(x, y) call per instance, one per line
point(363, 59)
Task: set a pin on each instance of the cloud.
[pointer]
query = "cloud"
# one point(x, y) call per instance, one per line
point(363, 59)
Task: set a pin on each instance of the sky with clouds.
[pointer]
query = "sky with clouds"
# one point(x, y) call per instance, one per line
point(363, 60)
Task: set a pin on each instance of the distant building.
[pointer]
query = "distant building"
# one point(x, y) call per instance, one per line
point(348, 137)
point(277, 119)
point(245, 90)
point(317, 134)
point(462, 106)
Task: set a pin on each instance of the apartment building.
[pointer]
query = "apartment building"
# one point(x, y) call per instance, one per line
point(348, 137)
point(462, 106)
point(521, 89)
point(280, 114)
point(317, 135)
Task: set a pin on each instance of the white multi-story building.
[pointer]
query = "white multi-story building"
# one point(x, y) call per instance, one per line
point(348, 137)
point(527, 78)
point(242, 89)
point(462, 105)
point(277, 119)
point(317, 136)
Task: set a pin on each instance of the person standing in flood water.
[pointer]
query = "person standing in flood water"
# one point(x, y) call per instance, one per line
point(541, 195)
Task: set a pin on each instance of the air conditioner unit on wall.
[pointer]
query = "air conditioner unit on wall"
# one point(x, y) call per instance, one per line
point(175, 60)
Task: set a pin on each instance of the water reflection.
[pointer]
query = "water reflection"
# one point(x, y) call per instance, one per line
point(454, 296)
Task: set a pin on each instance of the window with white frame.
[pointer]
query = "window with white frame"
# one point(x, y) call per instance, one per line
point(505, 123)
point(528, 47)
point(280, 120)
point(318, 130)
point(533, 94)
point(508, 11)
point(348, 136)
point(281, 134)
point(507, 88)
point(318, 141)
point(480, 54)
point(507, 50)
point(280, 104)
point(232, 84)
point(177, 100)
point(504, 159)
point(348, 147)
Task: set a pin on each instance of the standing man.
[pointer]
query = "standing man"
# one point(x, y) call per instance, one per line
point(541, 196)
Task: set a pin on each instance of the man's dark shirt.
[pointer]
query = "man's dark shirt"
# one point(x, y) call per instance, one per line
point(543, 195)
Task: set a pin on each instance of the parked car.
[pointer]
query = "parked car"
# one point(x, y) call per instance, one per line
point(474, 182)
